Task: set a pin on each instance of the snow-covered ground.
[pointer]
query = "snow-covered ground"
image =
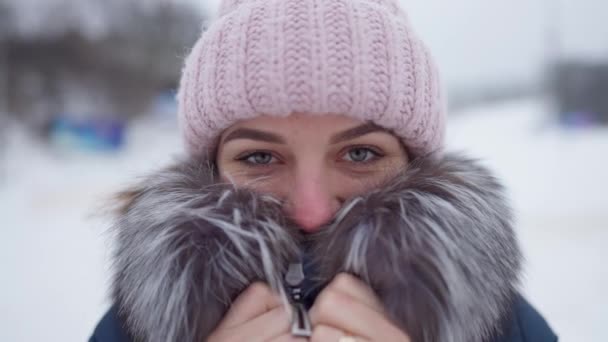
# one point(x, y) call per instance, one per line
point(558, 181)
point(54, 251)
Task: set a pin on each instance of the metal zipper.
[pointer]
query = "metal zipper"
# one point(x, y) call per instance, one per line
point(300, 324)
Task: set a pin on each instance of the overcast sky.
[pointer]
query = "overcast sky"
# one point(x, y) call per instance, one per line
point(490, 41)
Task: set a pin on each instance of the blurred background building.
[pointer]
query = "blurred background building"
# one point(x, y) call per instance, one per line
point(87, 104)
point(69, 62)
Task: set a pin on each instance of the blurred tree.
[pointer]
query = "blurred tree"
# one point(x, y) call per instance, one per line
point(90, 58)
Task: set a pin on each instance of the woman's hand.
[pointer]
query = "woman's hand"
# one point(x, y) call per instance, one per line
point(257, 315)
point(348, 307)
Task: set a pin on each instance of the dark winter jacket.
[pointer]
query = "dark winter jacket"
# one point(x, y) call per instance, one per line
point(525, 325)
point(435, 244)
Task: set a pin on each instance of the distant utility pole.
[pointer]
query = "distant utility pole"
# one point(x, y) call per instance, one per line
point(3, 81)
point(553, 50)
point(3, 110)
point(553, 31)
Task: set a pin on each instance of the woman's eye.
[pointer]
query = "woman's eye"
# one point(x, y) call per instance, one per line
point(258, 158)
point(361, 155)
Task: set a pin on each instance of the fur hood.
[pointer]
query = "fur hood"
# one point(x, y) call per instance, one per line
point(435, 243)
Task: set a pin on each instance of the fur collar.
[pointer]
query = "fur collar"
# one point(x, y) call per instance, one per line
point(435, 243)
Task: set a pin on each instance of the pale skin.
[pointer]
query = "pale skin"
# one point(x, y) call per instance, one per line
point(313, 164)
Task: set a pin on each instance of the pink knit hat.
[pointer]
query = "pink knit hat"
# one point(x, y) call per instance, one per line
point(359, 58)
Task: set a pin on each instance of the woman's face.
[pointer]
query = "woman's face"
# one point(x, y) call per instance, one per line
point(312, 163)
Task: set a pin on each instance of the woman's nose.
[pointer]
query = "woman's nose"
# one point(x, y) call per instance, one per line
point(311, 203)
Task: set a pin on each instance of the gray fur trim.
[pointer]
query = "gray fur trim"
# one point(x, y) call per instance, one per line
point(186, 247)
point(436, 244)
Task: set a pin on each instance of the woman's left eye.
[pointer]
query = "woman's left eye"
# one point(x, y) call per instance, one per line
point(258, 158)
point(361, 155)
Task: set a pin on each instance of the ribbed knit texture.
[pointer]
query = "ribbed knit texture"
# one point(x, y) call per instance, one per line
point(359, 58)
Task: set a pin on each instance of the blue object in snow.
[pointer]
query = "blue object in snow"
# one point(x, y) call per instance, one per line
point(97, 134)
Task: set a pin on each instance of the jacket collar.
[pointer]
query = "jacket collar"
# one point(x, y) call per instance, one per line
point(435, 243)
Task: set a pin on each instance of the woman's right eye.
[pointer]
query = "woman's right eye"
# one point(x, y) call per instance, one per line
point(258, 158)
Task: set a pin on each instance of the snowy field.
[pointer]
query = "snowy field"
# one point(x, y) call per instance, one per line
point(54, 252)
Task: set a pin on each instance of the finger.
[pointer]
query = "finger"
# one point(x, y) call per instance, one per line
point(341, 311)
point(323, 333)
point(354, 287)
point(288, 338)
point(274, 323)
point(257, 299)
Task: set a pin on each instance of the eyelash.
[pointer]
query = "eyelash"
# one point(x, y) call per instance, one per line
point(376, 155)
point(243, 158)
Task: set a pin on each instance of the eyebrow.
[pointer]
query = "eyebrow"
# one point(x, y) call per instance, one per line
point(253, 134)
point(356, 132)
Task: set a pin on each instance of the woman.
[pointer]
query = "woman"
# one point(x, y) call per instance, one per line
point(315, 202)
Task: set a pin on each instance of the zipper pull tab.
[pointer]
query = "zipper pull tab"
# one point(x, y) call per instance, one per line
point(300, 324)
point(295, 278)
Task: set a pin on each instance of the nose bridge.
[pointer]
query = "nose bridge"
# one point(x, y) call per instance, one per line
point(310, 184)
point(312, 203)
